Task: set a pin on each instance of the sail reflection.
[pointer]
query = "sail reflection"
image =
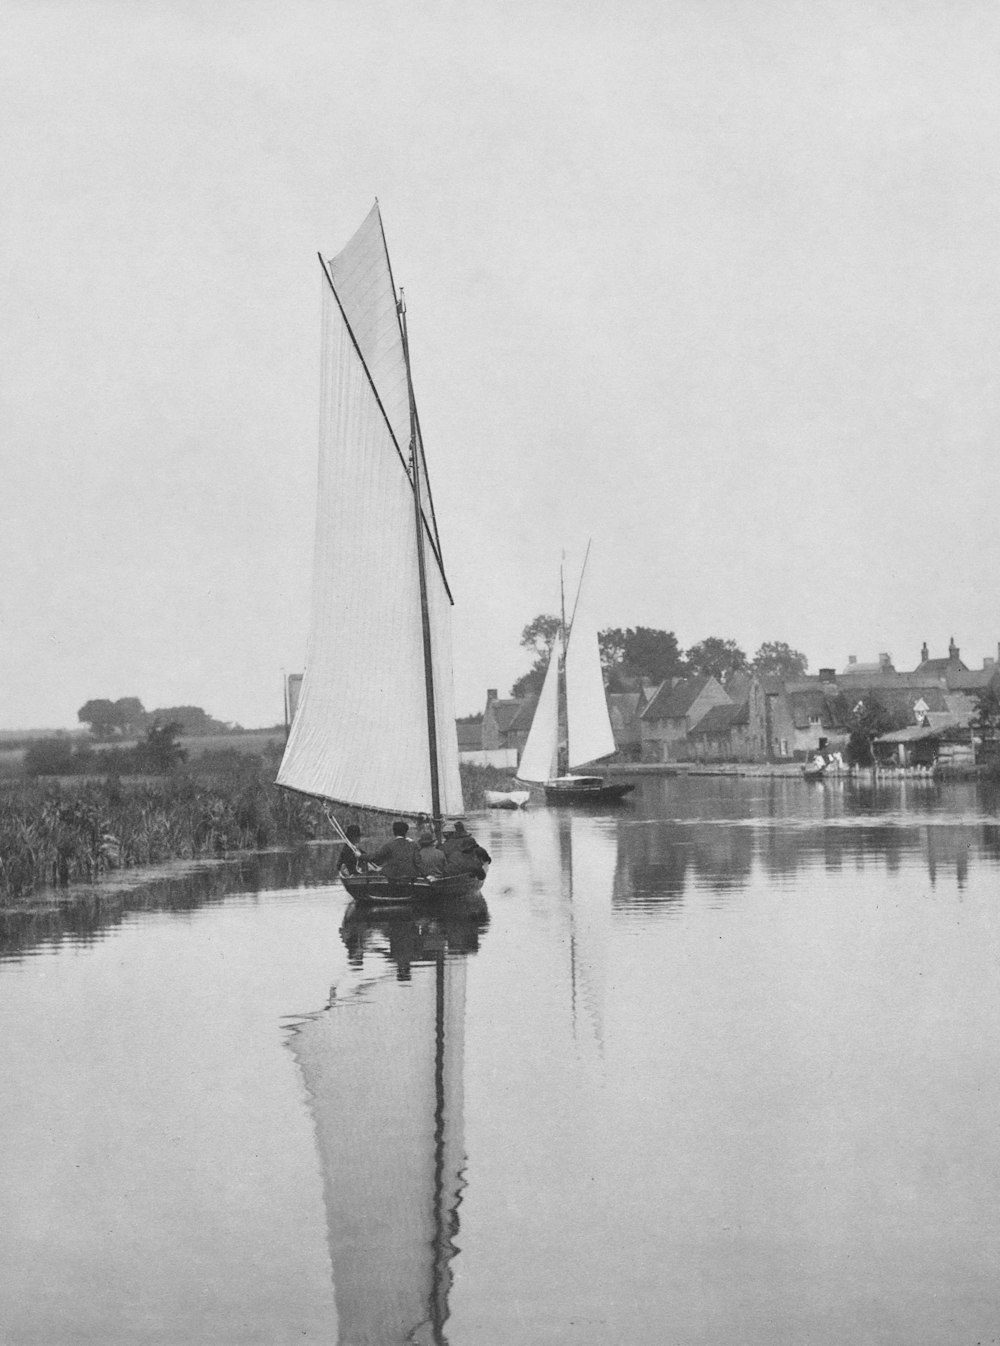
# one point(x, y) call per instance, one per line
point(383, 1068)
point(564, 864)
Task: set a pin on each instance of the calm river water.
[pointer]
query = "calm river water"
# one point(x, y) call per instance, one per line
point(720, 1067)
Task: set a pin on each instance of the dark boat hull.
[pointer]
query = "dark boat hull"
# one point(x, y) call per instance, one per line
point(605, 793)
point(375, 890)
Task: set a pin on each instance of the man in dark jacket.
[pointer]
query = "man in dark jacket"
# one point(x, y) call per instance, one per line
point(463, 854)
point(352, 858)
point(430, 857)
point(398, 857)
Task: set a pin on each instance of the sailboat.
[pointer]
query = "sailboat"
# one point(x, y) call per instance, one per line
point(571, 726)
point(375, 724)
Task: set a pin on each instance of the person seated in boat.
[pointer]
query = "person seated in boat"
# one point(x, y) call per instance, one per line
point(397, 858)
point(430, 856)
point(352, 859)
point(463, 854)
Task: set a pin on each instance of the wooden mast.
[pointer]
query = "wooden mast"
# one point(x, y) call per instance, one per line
point(425, 617)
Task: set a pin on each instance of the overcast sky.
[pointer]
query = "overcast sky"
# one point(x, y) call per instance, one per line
point(713, 282)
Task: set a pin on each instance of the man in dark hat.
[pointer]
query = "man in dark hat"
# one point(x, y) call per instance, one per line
point(430, 857)
point(463, 854)
point(352, 858)
point(398, 857)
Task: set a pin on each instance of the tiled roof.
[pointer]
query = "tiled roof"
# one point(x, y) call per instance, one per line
point(673, 703)
point(879, 683)
point(505, 713)
point(974, 680)
point(812, 703)
point(940, 668)
point(719, 719)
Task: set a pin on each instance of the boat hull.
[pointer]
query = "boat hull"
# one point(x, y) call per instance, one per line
point(375, 890)
point(512, 799)
point(601, 792)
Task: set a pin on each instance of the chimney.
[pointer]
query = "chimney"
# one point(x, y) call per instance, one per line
point(828, 675)
point(884, 661)
point(491, 694)
point(852, 658)
point(952, 649)
point(925, 653)
point(989, 662)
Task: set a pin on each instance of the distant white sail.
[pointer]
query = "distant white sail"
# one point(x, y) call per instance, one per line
point(541, 751)
point(588, 722)
point(360, 734)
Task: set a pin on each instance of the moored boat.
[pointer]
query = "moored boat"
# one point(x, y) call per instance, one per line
point(585, 790)
point(374, 728)
point(506, 799)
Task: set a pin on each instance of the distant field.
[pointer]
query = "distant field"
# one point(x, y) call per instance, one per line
point(248, 742)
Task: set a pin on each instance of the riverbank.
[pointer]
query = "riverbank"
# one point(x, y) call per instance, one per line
point(56, 832)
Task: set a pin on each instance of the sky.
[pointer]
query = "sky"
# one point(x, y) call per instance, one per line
point(713, 283)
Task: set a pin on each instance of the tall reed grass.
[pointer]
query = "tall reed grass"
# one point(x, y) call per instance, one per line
point(56, 832)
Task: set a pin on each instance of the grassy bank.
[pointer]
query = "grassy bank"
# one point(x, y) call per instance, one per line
point(72, 831)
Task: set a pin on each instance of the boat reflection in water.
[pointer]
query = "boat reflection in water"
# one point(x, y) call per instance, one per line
point(383, 1064)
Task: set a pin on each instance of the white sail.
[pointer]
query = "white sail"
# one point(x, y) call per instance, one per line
point(364, 285)
point(360, 734)
point(541, 751)
point(588, 722)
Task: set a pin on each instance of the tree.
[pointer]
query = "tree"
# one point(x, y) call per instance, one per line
point(867, 719)
point(778, 660)
point(110, 718)
point(160, 750)
point(717, 658)
point(986, 719)
point(130, 716)
point(639, 652)
point(191, 720)
point(100, 716)
point(538, 637)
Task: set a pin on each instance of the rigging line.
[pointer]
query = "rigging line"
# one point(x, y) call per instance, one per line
point(435, 536)
point(579, 586)
point(388, 423)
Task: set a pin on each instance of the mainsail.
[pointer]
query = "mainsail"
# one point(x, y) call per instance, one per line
point(589, 729)
point(361, 734)
point(539, 759)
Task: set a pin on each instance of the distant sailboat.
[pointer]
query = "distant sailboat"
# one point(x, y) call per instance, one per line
point(375, 725)
point(571, 726)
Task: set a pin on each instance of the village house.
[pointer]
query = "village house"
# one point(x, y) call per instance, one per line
point(624, 711)
point(506, 721)
point(674, 710)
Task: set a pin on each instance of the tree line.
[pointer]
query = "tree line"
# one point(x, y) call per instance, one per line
point(128, 718)
point(644, 653)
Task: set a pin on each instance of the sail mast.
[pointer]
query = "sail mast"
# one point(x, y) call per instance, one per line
point(425, 619)
point(562, 719)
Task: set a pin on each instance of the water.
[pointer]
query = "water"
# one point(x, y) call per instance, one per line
point(721, 1067)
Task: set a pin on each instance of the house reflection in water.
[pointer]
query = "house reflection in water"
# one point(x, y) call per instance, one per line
point(382, 1066)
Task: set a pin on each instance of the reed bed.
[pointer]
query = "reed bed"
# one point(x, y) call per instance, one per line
point(57, 832)
point(54, 834)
